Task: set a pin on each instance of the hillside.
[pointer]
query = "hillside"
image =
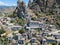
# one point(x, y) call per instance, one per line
point(47, 8)
point(36, 9)
point(7, 9)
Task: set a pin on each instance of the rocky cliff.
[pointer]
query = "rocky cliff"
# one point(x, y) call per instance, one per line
point(50, 8)
point(46, 6)
point(20, 9)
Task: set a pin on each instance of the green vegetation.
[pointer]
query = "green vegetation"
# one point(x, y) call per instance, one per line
point(47, 22)
point(1, 14)
point(2, 31)
point(20, 21)
point(4, 40)
point(33, 18)
point(22, 31)
point(58, 25)
point(53, 43)
point(39, 29)
point(12, 21)
point(26, 43)
point(11, 15)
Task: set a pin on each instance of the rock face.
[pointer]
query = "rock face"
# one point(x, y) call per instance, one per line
point(46, 6)
point(58, 2)
point(50, 3)
point(34, 6)
point(20, 9)
point(29, 3)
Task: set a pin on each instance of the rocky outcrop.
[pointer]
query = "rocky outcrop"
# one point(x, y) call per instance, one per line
point(46, 6)
point(58, 2)
point(20, 9)
point(35, 7)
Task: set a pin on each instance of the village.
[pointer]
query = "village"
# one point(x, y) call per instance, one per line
point(34, 32)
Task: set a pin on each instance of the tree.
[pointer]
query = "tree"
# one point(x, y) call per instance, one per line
point(26, 43)
point(54, 43)
point(58, 25)
point(39, 29)
point(22, 31)
point(4, 40)
point(12, 21)
point(33, 18)
point(2, 31)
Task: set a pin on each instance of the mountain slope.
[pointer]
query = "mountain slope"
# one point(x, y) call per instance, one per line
point(7, 9)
